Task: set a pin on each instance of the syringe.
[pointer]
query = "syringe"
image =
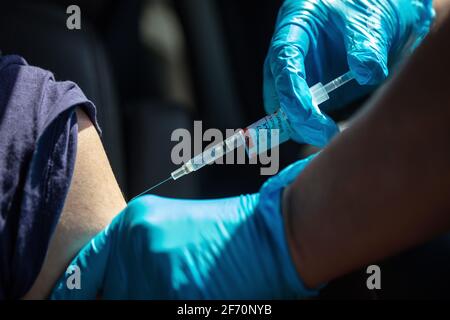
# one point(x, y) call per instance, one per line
point(278, 120)
point(250, 137)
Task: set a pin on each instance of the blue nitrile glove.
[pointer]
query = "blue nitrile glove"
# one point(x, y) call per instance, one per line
point(159, 248)
point(318, 40)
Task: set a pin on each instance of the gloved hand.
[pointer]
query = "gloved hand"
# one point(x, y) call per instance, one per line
point(318, 40)
point(159, 248)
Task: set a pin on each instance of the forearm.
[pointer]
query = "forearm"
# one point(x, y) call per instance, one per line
point(382, 185)
point(442, 8)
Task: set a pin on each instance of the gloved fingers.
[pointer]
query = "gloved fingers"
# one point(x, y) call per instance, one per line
point(289, 45)
point(288, 89)
point(368, 37)
point(83, 278)
point(288, 174)
point(270, 211)
point(271, 101)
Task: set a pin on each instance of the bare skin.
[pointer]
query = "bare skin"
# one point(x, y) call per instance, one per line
point(94, 199)
point(442, 8)
point(373, 191)
point(372, 183)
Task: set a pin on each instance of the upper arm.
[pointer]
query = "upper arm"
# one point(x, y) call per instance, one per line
point(94, 198)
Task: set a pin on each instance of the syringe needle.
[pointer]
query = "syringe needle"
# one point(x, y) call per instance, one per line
point(154, 187)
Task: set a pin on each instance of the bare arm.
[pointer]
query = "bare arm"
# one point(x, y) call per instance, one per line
point(383, 185)
point(94, 199)
point(442, 8)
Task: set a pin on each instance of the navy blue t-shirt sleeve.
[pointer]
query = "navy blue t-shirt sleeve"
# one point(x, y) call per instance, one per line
point(38, 139)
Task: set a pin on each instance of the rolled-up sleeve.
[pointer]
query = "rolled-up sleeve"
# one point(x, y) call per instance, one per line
point(38, 139)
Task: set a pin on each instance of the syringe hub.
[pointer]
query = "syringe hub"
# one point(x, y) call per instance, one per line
point(179, 172)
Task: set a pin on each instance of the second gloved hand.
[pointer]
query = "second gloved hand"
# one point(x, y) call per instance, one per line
point(159, 248)
point(318, 40)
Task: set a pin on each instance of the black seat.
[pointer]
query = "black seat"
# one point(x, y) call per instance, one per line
point(39, 34)
point(37, 31)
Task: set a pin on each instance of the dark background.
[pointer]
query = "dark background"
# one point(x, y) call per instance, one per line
point(130, 79)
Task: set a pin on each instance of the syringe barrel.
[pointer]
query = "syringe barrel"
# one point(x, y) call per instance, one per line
point(216, 151)
point(267, 133)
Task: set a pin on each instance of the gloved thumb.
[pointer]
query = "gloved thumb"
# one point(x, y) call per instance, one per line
point(367, 52)
point(285, 87)
point(286, 176)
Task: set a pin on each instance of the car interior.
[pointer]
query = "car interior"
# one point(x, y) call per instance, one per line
point(152, 66)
